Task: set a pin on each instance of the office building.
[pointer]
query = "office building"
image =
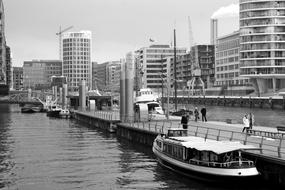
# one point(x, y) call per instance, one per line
point(262, 44)
point(150, 65)
point(227, 71)
point(37, 73)
point(77, 58)
point(17, 78)
point(9, 74)
point(112, 67)
point(99, 74)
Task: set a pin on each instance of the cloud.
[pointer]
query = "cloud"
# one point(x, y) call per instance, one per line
point(228, 11)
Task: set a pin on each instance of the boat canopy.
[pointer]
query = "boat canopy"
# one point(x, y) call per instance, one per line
point(218, 147)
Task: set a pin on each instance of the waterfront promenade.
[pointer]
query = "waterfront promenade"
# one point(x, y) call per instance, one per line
point(268, 140)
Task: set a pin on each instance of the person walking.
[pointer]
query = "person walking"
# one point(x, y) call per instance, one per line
point(245, 122)
point(196, 114)
point(251, 120)
point(184, 121)
point(203, 113)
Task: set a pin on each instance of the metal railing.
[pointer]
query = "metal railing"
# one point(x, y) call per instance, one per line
point(231, 164)
point(267, 146)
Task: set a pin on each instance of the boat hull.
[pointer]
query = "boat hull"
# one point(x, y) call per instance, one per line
point(206, 173)
point(53, 113)
point(32, 109)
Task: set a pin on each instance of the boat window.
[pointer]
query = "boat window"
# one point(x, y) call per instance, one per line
point(170, 133)
point(158, 143)
point(213, 157)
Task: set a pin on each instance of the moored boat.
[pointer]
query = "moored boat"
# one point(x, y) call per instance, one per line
point(53, 110)
point(202, 158)
point(64, 113)
point(29, 108)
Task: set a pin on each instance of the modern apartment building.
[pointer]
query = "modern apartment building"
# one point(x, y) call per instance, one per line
point(37, 73)
point(227, 71)
point(150, 65)
point(262, 44)
point(17, 78)
point(77, 58)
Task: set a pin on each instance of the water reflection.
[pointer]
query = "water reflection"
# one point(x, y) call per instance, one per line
point(5, 144)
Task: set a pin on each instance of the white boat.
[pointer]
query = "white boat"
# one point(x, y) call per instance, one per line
point(202, 158)
point(64, 113)
point(146, 96)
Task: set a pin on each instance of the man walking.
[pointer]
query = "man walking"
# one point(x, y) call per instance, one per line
point(184, 121)
point(203, 112)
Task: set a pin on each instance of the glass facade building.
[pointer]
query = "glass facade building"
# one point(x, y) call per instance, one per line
point(262, 44)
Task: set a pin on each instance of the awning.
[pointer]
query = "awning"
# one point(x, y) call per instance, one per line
point(218, 147)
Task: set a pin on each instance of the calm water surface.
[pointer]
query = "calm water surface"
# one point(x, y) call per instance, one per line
point(39, 153)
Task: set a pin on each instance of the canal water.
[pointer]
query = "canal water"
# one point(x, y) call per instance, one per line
point(38, 152)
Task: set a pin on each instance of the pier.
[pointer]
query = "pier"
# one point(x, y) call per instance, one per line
point(270, 157)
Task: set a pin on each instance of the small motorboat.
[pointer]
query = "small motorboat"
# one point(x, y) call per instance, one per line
point(64, 113)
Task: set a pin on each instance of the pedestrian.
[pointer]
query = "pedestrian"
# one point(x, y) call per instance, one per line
point(251, 120)
point(184, 121)
point(203, 113)
point(245, 122)
point(196, 114)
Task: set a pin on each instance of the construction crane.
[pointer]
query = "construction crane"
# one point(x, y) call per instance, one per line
point(196, 79)
point(59, 34)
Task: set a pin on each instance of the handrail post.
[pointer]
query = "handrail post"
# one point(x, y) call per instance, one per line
point(260, 145)
point(245, 140)
point(218, 137)
point(196, 132)
point(232, 136)
point(279, 148)
point(206, 136)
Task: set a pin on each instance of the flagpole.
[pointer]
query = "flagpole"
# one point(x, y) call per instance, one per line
point(175, 81)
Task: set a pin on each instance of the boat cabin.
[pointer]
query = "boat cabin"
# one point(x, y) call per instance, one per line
point(177, 132)
point(204, 152)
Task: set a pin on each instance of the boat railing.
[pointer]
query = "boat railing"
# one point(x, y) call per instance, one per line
point(230, 164)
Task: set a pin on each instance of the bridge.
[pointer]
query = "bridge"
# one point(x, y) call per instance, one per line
point(24, 97)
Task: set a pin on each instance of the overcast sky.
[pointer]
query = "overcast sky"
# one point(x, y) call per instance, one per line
point(117, 26)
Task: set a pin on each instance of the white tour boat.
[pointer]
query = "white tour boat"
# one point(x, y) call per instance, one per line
point(202, 158)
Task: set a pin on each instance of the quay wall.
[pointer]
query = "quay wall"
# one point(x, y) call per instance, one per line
point(102, 120)
point(137, 135)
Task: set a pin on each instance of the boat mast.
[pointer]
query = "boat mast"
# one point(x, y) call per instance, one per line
point(175, 82)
